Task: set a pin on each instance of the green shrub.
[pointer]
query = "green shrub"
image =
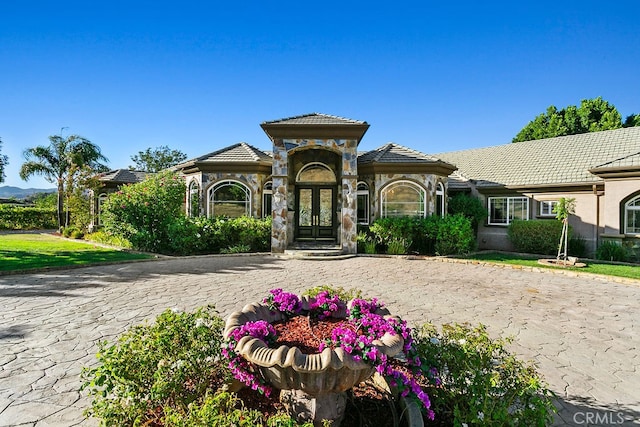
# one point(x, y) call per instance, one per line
point(143, 213)
point(225, 409)
point(105, 238)
point(612, 251)
point(482, 383)
point(455, 235)
point(170, 363)
point(536, 236)
point(578, 246)
point(421, 232)
point(72, 232)
point(397, 246)
point(469, 206)
point(452, 234)
point(27, 218)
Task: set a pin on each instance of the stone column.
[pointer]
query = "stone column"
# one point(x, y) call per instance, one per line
point(279, 198)
point(350, 197)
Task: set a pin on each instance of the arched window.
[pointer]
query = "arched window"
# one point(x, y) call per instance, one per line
point(101, 199)
point(194, 199)
point(229, 198)
point(402, 198)
point(267, 194)
point(440, 200)
point(363, 203)
point(316, 172)
point(632, 216)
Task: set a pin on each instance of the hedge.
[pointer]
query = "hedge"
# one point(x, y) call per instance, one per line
point(536, 236)
point(27, 218)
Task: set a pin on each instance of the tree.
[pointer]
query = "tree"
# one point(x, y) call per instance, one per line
point(563, 209)
point(4, 160)
point(60, 161)
point(155, 160)
point(632, 120)
point(593, 115)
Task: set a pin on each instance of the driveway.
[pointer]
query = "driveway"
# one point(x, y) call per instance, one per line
point(583, 332)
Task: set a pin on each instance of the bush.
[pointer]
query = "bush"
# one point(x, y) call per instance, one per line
point(482, 383)
point(536, 236)
point(420, 232)
point(452, 234)
point(612, 251)
point(169, 363)
point(455, 235)
point(27, 218)
point(143, 213)
point(169, 373)
point(72, 232)
point(108, 239)
point(469, 206)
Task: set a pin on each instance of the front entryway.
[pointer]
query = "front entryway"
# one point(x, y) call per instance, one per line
point(315, 212)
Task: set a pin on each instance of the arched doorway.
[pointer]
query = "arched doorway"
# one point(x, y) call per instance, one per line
point(316, 201)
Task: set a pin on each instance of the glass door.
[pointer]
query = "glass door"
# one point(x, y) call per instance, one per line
point(316, 212)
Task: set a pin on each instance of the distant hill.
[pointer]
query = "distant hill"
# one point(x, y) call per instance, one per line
point(8, 191)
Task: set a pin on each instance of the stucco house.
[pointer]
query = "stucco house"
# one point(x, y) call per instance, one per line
point(601, 170)
point(318, 187)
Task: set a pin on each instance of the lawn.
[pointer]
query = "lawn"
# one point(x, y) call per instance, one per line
point(628, 271)
point(29, 251)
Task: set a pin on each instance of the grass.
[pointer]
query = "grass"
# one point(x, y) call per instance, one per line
point(29, 251)
point(627, 271)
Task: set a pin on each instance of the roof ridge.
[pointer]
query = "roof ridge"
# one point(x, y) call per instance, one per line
point(383, 150)
point(300, 116)
point(617, 160)
point(251, 150)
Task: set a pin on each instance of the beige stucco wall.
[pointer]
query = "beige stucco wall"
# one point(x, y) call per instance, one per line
point(584, 223)
point(616, 191)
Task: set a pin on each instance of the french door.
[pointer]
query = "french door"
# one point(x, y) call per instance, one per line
point(315, 213)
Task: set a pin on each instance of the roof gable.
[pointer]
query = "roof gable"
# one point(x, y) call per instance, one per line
point(123, 176)
point(315, 119)
point(394, 153)
point(240, 152)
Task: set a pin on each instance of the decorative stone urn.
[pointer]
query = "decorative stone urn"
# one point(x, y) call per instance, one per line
point(312, 386)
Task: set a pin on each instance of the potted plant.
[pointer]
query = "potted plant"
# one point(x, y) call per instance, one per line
point(360, 338)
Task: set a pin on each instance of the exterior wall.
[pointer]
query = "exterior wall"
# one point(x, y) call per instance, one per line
point(616, 191)
point(281, 222)
point(428, 182)
point(254, 181)
point(584, 223)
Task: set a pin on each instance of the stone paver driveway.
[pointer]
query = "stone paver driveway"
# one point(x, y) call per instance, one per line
point(583, 332)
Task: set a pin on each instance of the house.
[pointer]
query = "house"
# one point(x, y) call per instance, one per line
point(314, 183)
point(110, 182)
point(525, 180)
point(318, 187)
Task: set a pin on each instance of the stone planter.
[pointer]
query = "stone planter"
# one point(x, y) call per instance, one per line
point(312, 385)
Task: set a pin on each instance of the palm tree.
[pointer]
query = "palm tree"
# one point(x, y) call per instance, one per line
point(57, 162)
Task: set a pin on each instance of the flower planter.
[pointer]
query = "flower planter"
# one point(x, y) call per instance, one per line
point(312, 385)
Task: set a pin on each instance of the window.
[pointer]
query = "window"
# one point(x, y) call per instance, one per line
point(194, 199)
point(267, 194)
point(632, 216)
point(503, 210)
point(101, 199)
point(316, 172)
point(402, 198)
point(547, 207)
point(440, 200)
point(363, 203)
point(229, 198)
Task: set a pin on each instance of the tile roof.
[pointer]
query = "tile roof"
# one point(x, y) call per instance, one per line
point(124, 176)
point(316, 119)
point(240, 152)
point(394, 153)
point(626, 161)
point(552, 161)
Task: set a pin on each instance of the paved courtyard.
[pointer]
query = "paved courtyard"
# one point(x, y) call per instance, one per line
point(583, 332)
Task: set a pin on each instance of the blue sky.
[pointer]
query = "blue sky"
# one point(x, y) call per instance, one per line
point(200, 75)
